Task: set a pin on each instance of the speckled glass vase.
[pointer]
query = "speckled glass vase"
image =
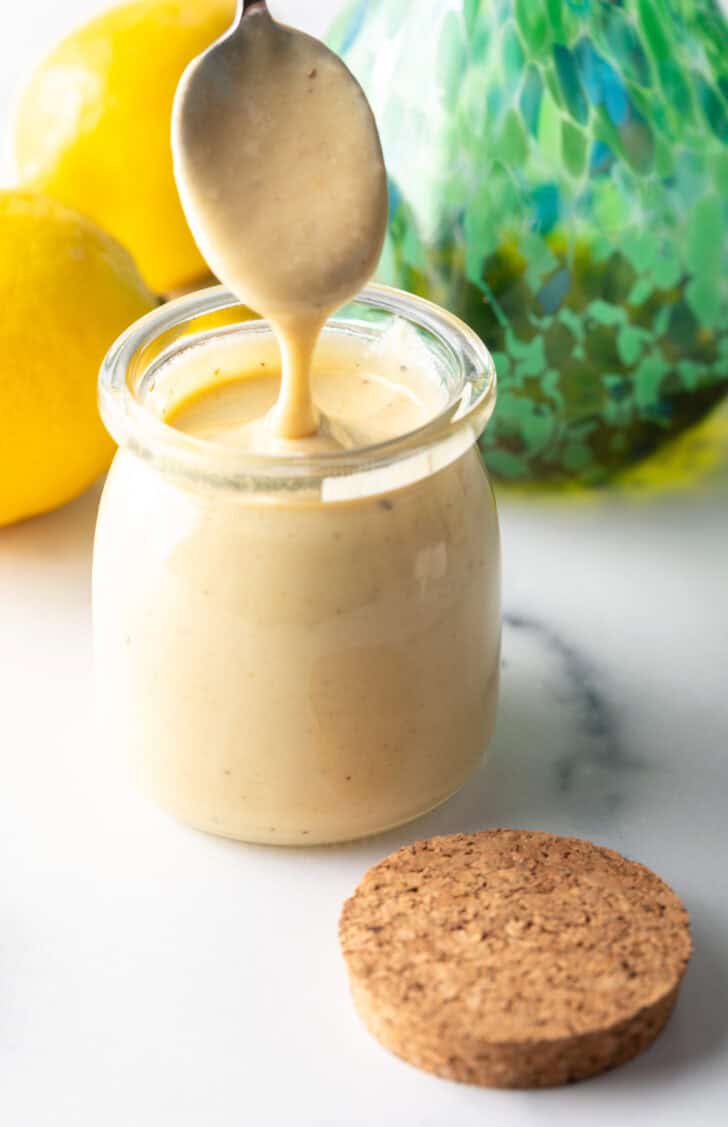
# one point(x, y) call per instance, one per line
point(560, 179)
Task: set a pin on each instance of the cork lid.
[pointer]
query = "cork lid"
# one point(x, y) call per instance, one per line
point(514, 958)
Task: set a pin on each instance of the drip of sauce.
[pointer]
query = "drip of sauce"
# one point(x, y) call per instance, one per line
point(366, 394)
point(281, 175)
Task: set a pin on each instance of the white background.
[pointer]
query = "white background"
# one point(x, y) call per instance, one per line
point(154, 977)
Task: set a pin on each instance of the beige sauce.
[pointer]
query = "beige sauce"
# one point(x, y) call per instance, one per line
point(286, 669)
point(280, 171)
point(287, 662)
point(224, 392)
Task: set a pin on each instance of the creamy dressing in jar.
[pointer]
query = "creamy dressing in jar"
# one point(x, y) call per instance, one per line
point(286, 668)
point(296, 568)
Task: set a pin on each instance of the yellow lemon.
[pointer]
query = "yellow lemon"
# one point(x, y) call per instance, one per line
point(93, 127)
point(67, 289)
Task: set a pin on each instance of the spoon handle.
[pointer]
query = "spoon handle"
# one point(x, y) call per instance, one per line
point(243, 8)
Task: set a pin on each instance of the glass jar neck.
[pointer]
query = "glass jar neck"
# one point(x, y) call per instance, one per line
point(461, 361)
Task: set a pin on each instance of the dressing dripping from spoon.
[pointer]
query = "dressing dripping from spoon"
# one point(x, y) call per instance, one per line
point(281, 175)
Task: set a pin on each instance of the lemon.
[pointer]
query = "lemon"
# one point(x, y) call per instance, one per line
point(67, 289)
point(93, 127)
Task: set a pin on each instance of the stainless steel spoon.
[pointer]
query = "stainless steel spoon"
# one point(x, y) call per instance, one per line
point(280, 168)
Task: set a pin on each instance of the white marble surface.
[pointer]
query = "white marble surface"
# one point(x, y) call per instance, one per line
point(154, 977)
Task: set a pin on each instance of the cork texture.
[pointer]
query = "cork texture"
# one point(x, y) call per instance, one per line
point(514, 959)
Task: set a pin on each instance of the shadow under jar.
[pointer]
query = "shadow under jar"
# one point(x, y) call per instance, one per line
point(298, 650)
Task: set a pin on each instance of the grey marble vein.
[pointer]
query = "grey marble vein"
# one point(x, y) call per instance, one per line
point(582, 686)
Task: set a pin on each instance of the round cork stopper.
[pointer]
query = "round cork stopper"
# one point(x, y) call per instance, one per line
point(514, 959)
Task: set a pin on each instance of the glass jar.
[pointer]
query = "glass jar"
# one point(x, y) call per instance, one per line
point(298, 650)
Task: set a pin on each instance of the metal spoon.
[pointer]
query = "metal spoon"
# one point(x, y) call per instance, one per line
point(280, 168)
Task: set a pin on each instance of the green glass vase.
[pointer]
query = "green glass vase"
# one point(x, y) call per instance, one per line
point(560, 180)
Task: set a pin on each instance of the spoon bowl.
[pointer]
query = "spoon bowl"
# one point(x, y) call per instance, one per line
point(280, 169)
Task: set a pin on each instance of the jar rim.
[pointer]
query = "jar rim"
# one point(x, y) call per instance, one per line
point(133, 425)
